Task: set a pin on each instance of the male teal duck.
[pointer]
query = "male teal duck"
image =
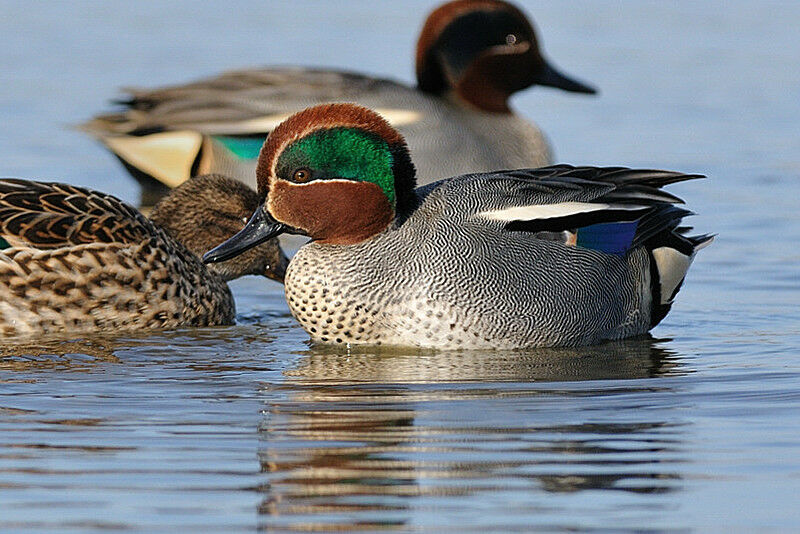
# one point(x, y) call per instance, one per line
point(556, 256)
point(76, 260)
point(472, 55)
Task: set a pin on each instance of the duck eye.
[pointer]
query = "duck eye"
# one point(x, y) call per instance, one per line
point(301, 175)
point(511, 39)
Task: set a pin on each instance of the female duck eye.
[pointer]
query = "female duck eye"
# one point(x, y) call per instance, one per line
point(511, 39)
point(301, 175)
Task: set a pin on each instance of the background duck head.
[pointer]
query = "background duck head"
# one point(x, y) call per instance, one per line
point(484, 51)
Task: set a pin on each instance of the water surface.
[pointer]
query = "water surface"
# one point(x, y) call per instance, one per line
point(248, 428)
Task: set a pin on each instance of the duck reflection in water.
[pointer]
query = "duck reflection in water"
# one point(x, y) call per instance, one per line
point(365, 432)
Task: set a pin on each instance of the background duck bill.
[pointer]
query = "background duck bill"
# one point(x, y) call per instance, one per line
point(258, 229)
point(550, 77)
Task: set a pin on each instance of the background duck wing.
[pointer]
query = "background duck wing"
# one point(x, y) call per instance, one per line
point(164, 136)
point(51, 215)
point(243, 102)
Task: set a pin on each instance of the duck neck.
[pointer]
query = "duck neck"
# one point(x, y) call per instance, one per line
point(476, 97)
point(405, 180)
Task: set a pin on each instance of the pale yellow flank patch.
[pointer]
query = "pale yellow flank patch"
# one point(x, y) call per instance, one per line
point(672, 267)
point(166, 156)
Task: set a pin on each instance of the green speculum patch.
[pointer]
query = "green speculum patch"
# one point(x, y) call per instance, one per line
point(4, 244)
point(347, 153)
point(242, 147)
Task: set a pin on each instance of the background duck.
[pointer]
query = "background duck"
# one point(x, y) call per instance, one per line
point(73, 259)
point(540, 257)
point(471, 56)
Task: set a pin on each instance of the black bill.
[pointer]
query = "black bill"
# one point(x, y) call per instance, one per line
point(258, 229)
point(552, 78)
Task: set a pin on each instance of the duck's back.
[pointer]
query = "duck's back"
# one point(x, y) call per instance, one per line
point(219, 125)
point(76, 260)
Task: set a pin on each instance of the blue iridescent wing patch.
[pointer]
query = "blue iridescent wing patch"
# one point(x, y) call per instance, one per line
point(611, 238)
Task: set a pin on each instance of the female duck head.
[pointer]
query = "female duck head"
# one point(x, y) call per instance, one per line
point(484, 50)
point(338, 173)
point(208, 209)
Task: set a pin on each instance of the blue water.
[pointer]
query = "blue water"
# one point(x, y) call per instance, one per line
point(247, 428)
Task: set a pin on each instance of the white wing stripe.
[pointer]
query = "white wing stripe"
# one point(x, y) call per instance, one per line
point(551, 211)
point(267, 123)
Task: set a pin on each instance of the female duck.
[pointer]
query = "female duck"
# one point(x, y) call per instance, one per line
point(540, 257)
point(73, 259)
point(472, 55)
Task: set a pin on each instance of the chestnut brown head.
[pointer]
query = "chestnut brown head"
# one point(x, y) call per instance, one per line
point(338, 173)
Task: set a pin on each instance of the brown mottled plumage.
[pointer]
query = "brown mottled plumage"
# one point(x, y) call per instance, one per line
point(81, 260)
point(209, 209)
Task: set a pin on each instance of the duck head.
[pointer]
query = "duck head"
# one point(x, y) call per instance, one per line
point(208, 209)
point(338, 173)
point(483, 51)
